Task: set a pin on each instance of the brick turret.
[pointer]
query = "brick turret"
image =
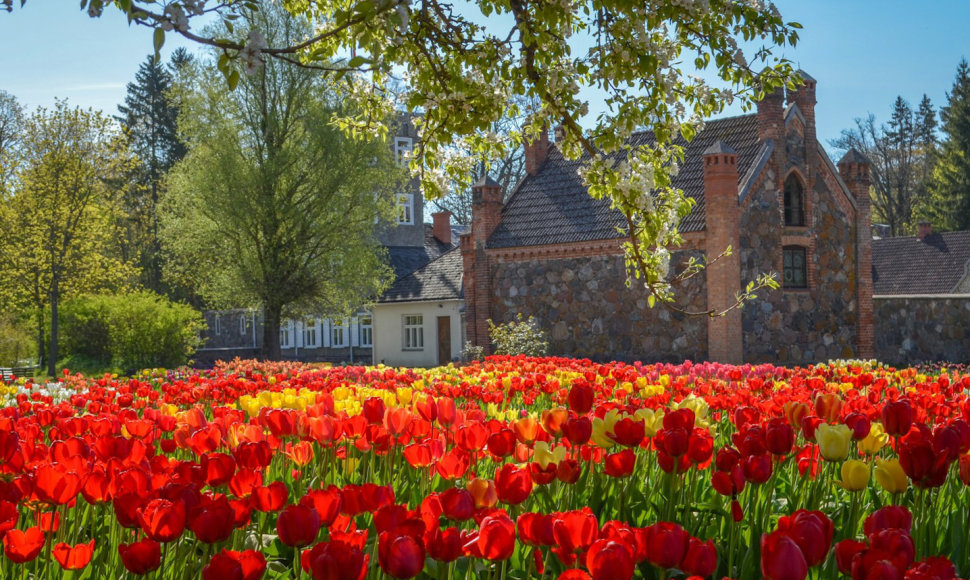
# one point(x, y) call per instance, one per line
point(804, 98)
point(536, 151)
point(724, 275)
point(486, 215)
point(854, 169)
point(771, 125)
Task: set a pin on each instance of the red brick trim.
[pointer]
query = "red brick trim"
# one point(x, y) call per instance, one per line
point(692, 241)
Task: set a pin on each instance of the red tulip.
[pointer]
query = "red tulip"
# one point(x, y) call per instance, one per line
point(513, 485)
point(326, 502)
point(666, 544)
point(629, 431)
point(610, 560)
point(162, 520)
point(845, 551)
point(568, 471)
point(859, 424)
point(812, 531)
point(270, 498)
point(212, 520)
point(443, 545)
point(8, 516)
point(23, 546)
point(757, 468)
point(141, 557)
point(619, 464)
point(700, 559)
point(536, 529)
point(828, 406)
point(578, 430)
point(781, 558)
point(874, 565)
point(897, 417)
point(888, 518)
point(779, 437)
point(581, 398)
point(457, 504)
point(298, 525)
point(73, 557)
point(453, 464)
point(335, 560)
point(232, 565)
point(54, 485)
point(218, 468)
point(496, 537)
point(400, 556)
point(575, 530)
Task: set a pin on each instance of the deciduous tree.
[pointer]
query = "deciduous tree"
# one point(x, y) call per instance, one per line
point(273, 205)
point(465, 63)
point(60, 223)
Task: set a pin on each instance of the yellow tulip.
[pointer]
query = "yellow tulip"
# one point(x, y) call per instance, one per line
point(833, 441)
point(601, 434)
point(875, 440)
point(890, 475)
point(855, 475)
point(543, 455)
point(652, 420)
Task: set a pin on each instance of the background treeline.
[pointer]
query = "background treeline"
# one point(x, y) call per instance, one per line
point(920, 161)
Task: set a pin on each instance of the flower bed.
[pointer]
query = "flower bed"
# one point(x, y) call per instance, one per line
point(511, 468)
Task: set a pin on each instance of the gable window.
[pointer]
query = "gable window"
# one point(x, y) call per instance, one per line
point(795, 267)
point(365, 330)
point(338, 333)
point(403, 147)
point(794, 201)
point(413, 332)
point(310, 334)
point(405, 209)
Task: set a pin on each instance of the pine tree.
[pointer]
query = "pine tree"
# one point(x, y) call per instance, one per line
point(948, 205)
point(149, 116)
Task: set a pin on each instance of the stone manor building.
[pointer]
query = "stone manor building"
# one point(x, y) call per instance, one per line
point(763, 185)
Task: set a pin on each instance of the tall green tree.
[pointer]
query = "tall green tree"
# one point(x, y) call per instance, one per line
point(273, 205)
point(464, 66)
point(902, 153)
point(149, 116)
point(60, 222)
point(948, 205)
point(11, 124)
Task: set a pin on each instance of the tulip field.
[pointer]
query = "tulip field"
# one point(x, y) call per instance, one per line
point(512, 467)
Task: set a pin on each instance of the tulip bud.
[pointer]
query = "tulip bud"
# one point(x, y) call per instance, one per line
point(890, 475)
point(855, 475)
point(833, 441)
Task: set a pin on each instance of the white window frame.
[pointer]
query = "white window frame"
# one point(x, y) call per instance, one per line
point(339, 329)
point(405, 207)
point(365, 330)
point(311, 333)
point(242, 324)
point(413, 335)
point(217, 325)
point(403, 148)
point(285, 330)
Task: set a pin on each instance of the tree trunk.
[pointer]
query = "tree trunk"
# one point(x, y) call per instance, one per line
point(271, 331)
point(52, 352)
point(41, 344)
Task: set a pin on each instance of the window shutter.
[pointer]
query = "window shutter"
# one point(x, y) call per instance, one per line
point(325, 330)
point(354, 333)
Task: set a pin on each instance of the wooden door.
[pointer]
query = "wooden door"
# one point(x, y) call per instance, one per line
point(444, 340)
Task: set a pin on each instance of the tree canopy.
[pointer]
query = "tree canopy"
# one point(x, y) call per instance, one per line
point(464, 64)
point(273, 205)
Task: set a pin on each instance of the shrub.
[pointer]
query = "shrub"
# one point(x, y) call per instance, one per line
point(131, 331)
point(519, 336)
point(471, 352)
point(17, 345)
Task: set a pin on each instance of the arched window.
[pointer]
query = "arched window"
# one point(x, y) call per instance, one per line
point(795, 267)
point(794, 201)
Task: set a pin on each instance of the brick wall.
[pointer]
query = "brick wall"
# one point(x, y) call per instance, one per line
point(912, 329)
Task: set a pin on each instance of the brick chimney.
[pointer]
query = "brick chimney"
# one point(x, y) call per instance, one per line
point(724, 275)
point(925, 229)
point(804, 98)
point(442, 226)
point(854, 169)
point(771, 125)
point(536, 151)
point(486, 215)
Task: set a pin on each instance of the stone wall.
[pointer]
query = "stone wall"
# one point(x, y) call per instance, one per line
point(912, 329)
point(798, 326)
point(588, 311)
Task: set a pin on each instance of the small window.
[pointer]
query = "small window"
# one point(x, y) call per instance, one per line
point(413, 332)
point(242, 324)
point(338, 334)
point(217, 325)
point(311, 338)
point(405, 209)
point(795, 267)
point(365, 330)
point(794, 201)
point(403, 147)
point(285, 334)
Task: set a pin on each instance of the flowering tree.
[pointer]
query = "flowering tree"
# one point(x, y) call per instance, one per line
point(464, 66)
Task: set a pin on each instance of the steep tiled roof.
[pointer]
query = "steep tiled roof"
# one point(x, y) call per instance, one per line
point(934, 265)
point(406, 259)
point(553, 207)
point(438, 280)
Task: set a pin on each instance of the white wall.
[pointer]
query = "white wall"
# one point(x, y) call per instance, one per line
point(389, 333)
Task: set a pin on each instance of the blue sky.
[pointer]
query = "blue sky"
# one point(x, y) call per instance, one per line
point(862, 53)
